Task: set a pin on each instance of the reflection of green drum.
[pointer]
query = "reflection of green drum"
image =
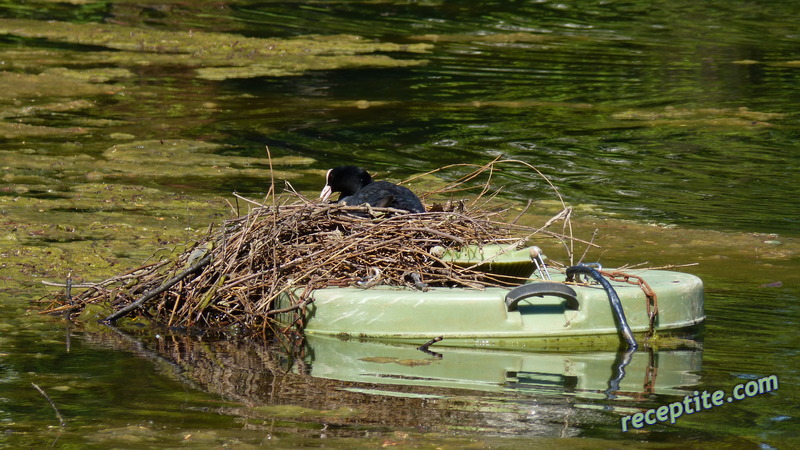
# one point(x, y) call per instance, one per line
point(586, 374)
point(482, 318)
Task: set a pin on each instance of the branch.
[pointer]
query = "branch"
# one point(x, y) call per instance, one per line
point(58, 414)
point(168, 284)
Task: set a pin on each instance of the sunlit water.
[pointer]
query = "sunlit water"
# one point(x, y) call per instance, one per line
point(677, 113)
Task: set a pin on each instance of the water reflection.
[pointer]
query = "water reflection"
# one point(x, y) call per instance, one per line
point(342, 382)
point(587, 375)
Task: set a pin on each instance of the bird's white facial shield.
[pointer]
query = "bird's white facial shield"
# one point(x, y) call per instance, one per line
point(327, 190)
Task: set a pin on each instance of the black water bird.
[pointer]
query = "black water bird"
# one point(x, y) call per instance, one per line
point(357, 188)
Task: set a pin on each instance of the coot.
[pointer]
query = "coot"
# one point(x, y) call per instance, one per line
point(356, 187)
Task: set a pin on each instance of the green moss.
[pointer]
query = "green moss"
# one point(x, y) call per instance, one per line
point(300, 64)
point(17, 130)
point(21, 85)
point(98, 75)
point(153, 158)
point(217, 55)
point(185, 157)
point(701, 117)
point(66, 106)
point(94, 231)
point(26, 96)
point(495, 38)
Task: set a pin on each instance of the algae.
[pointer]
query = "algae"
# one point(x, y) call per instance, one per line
point(67, 106)
point(789, 64)
point(27, 96)
point(17, 130)
point(494, 38)
point(522, 103)
point(184, 157)
point(218, 56)
point(302, 64)
point(682, 113)
point(97, 75)
point(511, 104)
point(58, 219)
point(684, 117)
point(152, 158)
point(14, 86)
point(91, 229)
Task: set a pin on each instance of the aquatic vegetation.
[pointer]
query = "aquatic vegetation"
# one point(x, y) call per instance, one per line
point(97, 75)
point(494, 38)
point(475, 104)
point(16, 130)
point(21, 85)
point(31, 110)
point(25, 96)
point(91, 229)
point(218, 56)
point(154, 158)
point(10, 116)
point(189, 158)
point(522, 103)
point(791, 63)
point(723, 117)
point(300, 64)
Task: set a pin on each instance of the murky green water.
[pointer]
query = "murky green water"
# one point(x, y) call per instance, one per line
point(671, 126)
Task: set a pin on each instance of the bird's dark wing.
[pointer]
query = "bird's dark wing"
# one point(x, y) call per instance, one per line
point(385, 194)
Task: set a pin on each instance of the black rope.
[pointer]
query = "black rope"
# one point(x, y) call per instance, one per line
point(613, 298)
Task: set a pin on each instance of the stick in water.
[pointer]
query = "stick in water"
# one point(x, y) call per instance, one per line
point(58, 414)
point(168, 284)
point(424, 347)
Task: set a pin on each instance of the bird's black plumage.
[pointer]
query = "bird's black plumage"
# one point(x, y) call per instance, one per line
point(357, 188)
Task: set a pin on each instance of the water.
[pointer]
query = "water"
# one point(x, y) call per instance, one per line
point(671, 126)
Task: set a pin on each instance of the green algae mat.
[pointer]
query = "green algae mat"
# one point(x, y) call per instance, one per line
point(216, 56)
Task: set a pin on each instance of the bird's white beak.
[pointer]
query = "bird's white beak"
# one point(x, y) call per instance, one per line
point(326, 193)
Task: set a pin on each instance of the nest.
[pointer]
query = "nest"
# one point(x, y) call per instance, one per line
point(234, 276)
